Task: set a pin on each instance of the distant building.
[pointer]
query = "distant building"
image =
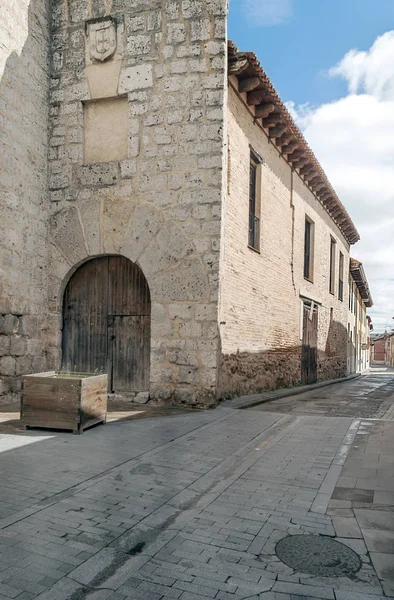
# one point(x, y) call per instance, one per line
point(383, 349)
point(360, 299)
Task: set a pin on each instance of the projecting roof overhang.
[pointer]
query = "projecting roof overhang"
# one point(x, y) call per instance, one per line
point(358, 274)
point(284, 133)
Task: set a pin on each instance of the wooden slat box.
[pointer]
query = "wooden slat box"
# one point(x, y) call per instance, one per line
point(64, 401)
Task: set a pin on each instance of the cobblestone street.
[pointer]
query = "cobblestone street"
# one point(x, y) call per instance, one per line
point(192, 506)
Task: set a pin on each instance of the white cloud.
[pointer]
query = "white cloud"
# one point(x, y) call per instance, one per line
point(371, 71)
point(353, 139)
point(265, 13)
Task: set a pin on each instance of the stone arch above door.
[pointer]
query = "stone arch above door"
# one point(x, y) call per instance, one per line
point(141, 233)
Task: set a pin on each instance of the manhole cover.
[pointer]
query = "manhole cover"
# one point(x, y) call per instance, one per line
point(317, 555)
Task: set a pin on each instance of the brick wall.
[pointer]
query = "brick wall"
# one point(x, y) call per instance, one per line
point(260, 299)
point(160, 206)
point(24, 42)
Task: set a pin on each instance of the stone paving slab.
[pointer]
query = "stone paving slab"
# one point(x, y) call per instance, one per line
point(370, 510)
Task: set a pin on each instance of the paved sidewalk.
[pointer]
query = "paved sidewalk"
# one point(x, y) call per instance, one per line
point(362, 504)
point(368, 396)
point(253, 400)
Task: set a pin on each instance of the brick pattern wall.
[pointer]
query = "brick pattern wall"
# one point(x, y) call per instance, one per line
point(161, 205)
point(24, 86)
point(260, 298)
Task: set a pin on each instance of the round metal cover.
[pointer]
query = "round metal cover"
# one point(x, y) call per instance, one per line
point(318, 555)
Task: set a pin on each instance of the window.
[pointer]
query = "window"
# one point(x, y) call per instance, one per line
point(254, 203)
point(308, 248)
point(340, 281)
point(351, 297)
point(354, 298)
point(332, 266)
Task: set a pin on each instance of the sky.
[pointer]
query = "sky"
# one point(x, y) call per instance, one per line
point(332, 62)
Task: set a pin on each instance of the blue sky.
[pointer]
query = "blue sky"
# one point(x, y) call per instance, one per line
point(332, 61)
point(310, 37)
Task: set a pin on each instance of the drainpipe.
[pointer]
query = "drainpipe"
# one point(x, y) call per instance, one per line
point(292, 228)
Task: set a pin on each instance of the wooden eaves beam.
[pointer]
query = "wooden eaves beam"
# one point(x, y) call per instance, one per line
point(277, 130)
point(248, 84)
point(336, 211)
point(284, 138)
point(272, 120)
point(325, 195)
point(319, 186)
point(299, 163)
point(237, 64)
point(290, 147)
point(308, 168)
point(315, 179)
point(259, 97)
point(310, 176)
point(295, 155)
point(262, 111)
point(330, 202)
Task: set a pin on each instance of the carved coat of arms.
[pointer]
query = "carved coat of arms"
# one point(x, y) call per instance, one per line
point(102, 39)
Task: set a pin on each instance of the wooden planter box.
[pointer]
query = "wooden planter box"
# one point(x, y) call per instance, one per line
point(63, 401)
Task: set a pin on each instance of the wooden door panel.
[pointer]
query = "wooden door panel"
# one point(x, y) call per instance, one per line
point(128, 290)
point(130, 354)
point(309, 346)
point(85, 347)
point(106, 323)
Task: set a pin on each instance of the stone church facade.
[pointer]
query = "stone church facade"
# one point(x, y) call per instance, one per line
point(127, 131)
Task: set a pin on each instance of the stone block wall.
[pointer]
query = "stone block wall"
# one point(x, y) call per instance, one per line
point(24, 87)
point(261, 292)
point(156, 196)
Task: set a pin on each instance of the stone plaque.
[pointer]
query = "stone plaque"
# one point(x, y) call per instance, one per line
point(106, 131)
point(102, 39)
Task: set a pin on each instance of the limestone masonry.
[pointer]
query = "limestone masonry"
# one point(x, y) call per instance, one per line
point(124, 132)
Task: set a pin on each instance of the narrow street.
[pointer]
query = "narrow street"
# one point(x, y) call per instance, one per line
point(201, 505)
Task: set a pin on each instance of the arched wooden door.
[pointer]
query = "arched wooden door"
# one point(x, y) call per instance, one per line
point(106, 323)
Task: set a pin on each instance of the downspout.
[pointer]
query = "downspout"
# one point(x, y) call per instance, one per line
point(292, 228)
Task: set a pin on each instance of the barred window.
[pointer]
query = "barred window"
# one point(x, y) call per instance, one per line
point(254, 205)
point(332, 265)
point(340, 280)
point(308, 248)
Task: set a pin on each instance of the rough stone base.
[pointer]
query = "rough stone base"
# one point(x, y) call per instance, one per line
point(247, 373)
point(331, 367)
point(198, 398)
